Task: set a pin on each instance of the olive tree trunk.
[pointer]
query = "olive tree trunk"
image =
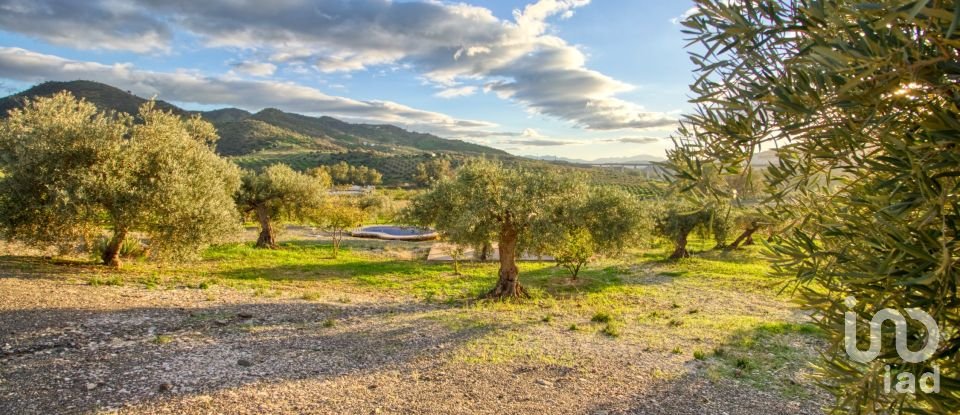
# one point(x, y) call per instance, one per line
point(508, 284)
point(681, 247)
point(111, 255)
point(485, 251)
point(267, 238)
point(746, 238)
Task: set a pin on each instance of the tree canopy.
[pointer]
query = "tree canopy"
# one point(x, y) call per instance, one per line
point(343, 173)
point(433, 170)
point(860, 103)
point(340, 214)
point(71, 169)
point(523, 210)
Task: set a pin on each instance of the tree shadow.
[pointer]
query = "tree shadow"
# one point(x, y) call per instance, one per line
point(763, 369)
point(327, 271)
point(81, 361)
point(39, 267)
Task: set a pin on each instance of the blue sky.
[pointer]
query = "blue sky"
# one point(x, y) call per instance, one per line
point(570, 78)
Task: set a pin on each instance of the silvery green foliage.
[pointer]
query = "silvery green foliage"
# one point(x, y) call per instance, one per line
point(279, 193)
point(861, 101)
point(286, 193)
point(180, 190)
point(472, 208)
point(70, 170)
point(543, 207)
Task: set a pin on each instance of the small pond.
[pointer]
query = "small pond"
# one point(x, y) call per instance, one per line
point(394, 232)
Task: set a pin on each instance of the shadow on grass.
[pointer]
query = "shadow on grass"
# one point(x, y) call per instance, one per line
point(38, 267)
point(82, 361)
point(762, 369)
point(307, 261)
point(365, 264)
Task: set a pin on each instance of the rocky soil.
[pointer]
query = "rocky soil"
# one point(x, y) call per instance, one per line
point(73, 348)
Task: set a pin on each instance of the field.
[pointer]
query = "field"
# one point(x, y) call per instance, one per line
point(379, 330)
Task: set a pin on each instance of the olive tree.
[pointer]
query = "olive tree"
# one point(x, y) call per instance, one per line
point(432, 171)
point(456, 253)
point(677, 220)
point(275, 194)
point(70, 170)
point(322, 176)
point(338, 215)
point(573, 250)
point(749, 223)
point(523, 210)
point(860, 102)
point(604, 221)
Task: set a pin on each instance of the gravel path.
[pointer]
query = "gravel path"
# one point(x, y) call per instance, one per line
point(74, 348)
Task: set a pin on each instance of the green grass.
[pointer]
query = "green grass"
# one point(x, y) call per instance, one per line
point(162, 339)
point(601, 317)
point(97, 281)
point(612, 329)
point(722, 302)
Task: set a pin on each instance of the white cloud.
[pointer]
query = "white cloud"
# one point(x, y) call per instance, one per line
point(531, 133)
point(183, 86)
point(457, 92)
point(261, 69)
point(517, 59)
point(82, 25)
point(540, 142)
point(634, 140)
point(690, 12)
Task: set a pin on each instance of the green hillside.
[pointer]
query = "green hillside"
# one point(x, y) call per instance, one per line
point(271, 135)
point(376, 137)
point(225, 115)
point(250, 136)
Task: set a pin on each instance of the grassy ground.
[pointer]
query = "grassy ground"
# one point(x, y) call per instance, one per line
point(717, 316)
point(717, 307)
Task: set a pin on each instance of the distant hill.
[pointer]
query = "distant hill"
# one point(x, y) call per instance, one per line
point(378, 137)
point(226, 115)
point(270, 136)
point(249, 136)
point(270, 131)
point(765, 158)
point(101, 95)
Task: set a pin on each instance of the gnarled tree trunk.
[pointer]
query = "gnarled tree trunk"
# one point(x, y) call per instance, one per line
point(681, 247)
point(267, 239)
point(746, 237)
point(111, 255)
point(508, 284)
point(485, 251)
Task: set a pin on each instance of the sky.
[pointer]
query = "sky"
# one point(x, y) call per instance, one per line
point(570, 78)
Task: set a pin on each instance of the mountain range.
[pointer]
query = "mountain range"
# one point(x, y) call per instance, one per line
point(269, 132)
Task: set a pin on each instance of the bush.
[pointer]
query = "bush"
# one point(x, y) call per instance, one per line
point(602, 317)
point(130, 248)
point(612, 329)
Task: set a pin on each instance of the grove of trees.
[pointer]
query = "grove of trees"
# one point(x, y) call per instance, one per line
point(343, 173)
point(70, 170)
point(433, 170)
